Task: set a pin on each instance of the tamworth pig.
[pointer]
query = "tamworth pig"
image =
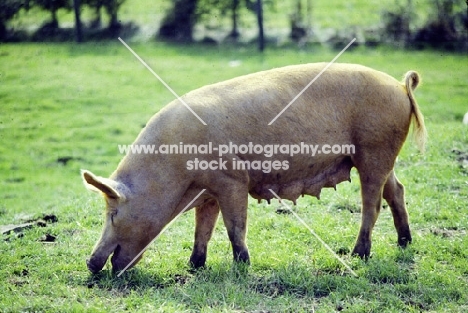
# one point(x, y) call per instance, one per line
point(348, 104)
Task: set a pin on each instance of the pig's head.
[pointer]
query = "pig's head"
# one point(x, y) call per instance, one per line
point(127, 229)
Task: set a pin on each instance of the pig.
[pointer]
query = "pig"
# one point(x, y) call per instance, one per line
point(348, 104)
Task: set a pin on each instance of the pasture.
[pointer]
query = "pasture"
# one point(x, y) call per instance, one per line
point(64, 107)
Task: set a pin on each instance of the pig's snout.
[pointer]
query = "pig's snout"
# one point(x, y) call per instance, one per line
point(98, 259)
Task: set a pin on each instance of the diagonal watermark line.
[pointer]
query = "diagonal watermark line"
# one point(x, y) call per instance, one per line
point(162, 81)
point(314, 234)
point(313, 80)
point(162, 231)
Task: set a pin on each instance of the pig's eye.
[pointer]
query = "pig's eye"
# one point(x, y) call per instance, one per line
point(112, 218)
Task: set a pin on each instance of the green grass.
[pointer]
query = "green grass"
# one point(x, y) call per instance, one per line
point(80, 101)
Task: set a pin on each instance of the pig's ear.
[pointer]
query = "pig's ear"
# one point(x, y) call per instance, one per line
point(101, 184)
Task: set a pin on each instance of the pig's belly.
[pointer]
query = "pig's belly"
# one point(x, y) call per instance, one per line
point(298, 181)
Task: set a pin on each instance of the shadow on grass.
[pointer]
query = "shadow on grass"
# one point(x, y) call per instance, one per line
point(390, 279)
point(295, 280)
point(394, 269)
point(134, 279)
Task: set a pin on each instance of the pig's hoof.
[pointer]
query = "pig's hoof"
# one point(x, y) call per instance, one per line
point(242, 257)
point(404, 241)
point(197, 262)
point(196, 265)
point(362, 251)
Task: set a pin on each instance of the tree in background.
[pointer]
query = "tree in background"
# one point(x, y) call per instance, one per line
point(397, 22)
point(446, 25)
point(95, 6)
point(179, 22)
point(53, 6)
point(208, 8)
point(112, 8)
point(301, 21)
point(235, 17)
point(8, 9)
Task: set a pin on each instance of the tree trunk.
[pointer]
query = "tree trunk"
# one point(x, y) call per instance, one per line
point(79, 33)
point(261, 36)
point(234, 32)
point(54, 22)
point(96, 20)
point(179, 22)
point(3, 31)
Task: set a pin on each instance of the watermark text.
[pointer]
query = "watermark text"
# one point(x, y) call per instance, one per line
point(268, 150)
point(232, 156)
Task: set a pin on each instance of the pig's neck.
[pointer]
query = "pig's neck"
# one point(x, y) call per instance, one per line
point(153, 179)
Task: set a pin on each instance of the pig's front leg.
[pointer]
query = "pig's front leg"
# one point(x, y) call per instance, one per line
point(206, 216)
point(233, 204)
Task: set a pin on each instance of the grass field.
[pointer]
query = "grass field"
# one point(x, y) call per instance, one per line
point(64, 107)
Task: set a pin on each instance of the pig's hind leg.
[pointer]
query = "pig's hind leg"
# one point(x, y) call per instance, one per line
point(394, 194)
point(206, 216)
point(374, 167)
